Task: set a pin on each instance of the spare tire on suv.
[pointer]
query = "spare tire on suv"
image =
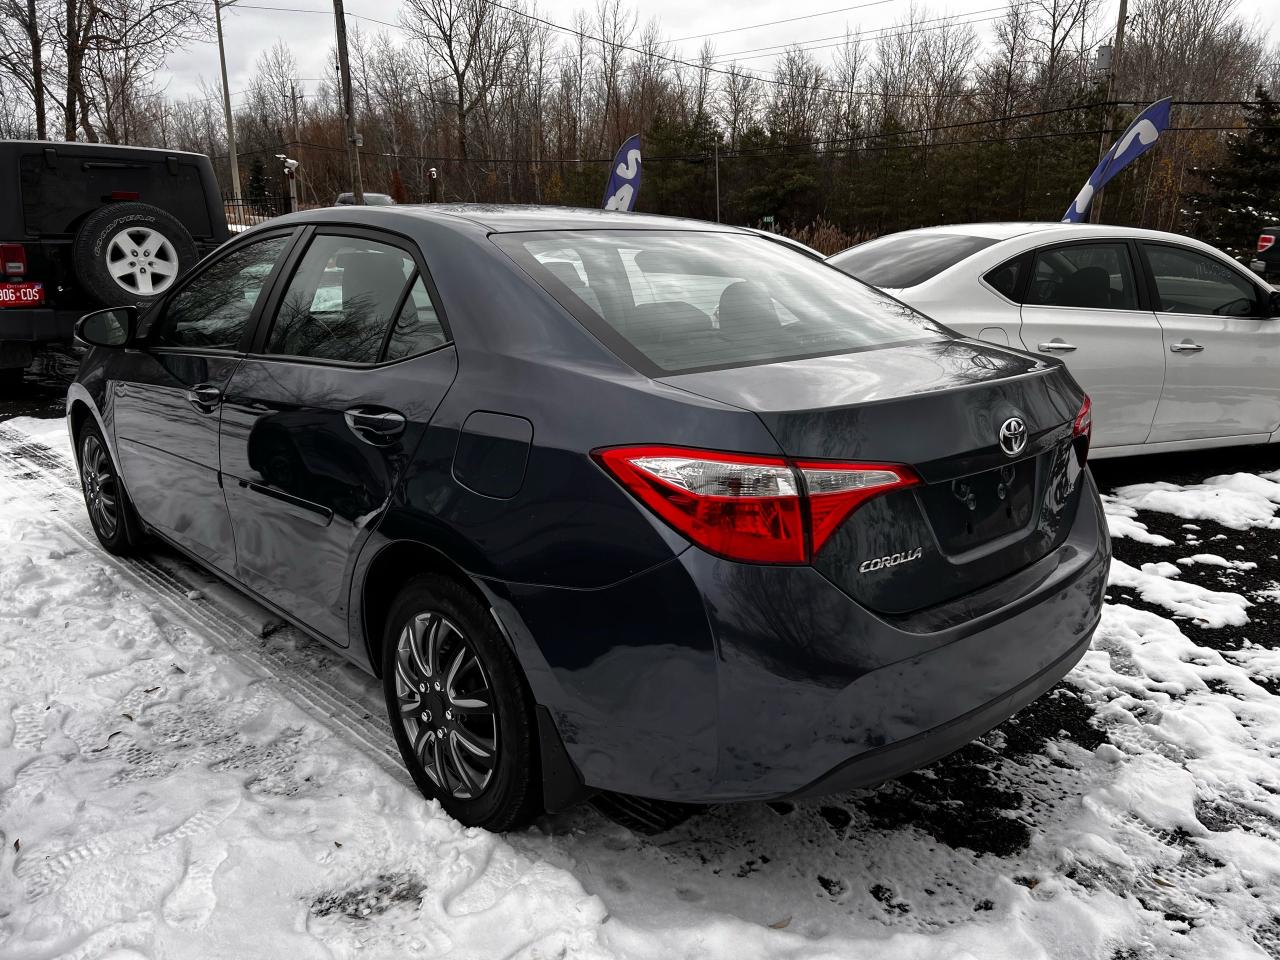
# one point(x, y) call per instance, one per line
point(131, 253)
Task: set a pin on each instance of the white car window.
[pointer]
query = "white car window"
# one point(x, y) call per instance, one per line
point(1097, 275)
point(1191, 282)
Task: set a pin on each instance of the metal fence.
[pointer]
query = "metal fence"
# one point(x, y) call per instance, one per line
point(245, 212)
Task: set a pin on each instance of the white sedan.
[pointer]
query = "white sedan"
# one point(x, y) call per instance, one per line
point(1176, 343)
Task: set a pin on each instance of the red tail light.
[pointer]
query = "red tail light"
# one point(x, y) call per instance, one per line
point(1083, 425)
point(746, 507)
point(1266, 241)
point(13, 259)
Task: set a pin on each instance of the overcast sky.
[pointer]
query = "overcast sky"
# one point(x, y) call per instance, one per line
point(249, 32)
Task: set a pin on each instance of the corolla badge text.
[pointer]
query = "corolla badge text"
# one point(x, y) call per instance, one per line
point(893, 560)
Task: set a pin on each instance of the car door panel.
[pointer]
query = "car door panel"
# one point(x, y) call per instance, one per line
point(169, 449)
point(1115, 352)
point(167, 399)
point(303, 490)
point(310, 453)
point(1222, 370)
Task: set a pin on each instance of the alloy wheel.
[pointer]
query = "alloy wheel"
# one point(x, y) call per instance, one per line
point(101, 491)
point(142, 261)
point(446, 704)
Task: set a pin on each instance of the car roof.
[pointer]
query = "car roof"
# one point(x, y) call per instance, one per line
point(1043, 232)
point(515, 218)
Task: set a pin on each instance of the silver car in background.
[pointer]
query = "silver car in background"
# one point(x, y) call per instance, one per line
point(1177, 345)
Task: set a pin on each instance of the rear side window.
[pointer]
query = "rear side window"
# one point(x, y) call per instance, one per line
point(1092, 275)
point(671, 302)
point(342, 300)
point(1006, 279)
point(417, 328)
point(1191, 282)
point(907, 259)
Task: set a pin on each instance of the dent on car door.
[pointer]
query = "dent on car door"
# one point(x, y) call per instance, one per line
point(166, 398)
point(1222, 350)
point(1083, 303)
point(320, 421)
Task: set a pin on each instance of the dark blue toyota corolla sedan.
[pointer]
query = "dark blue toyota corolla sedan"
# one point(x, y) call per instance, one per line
point(609, 502)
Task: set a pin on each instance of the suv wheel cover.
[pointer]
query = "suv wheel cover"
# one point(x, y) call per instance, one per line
point(142, 261)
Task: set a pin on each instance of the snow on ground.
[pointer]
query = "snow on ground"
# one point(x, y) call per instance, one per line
point(175, 784)
point(1238, 501)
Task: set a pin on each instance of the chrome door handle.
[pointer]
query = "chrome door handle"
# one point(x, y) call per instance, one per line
point(373, 425)
point(204, 397)
point(1056, 345)
point(1186, 346)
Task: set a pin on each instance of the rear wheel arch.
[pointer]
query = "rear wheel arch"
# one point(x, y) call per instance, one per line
point(387, 574)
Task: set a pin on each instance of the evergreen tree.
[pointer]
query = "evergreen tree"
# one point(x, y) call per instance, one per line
point(1243, 192)
point(256, 185)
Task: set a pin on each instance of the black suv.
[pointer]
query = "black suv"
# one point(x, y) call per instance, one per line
point(1266, 261)
point(85, 225)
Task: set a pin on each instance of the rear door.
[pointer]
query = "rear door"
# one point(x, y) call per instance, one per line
point(1222, 357)
point(168, 398)
point(350, 362)
point(1083, 302)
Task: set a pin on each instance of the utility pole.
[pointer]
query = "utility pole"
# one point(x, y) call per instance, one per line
point(293, 103)
point(353, 141)
point(1095, 211)
point(226, 104)
point(717, 152)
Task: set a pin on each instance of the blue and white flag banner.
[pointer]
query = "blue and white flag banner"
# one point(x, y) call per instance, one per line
point(624, 177)
point(1137, 140)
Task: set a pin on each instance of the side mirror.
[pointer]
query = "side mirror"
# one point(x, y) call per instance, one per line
point(114, 327)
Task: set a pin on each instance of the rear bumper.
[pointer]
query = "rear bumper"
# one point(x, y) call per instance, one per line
point(704, 680)
point(39, 325)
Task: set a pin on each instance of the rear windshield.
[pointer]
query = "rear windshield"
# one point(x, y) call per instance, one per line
point(905, 259)
point(682, 301)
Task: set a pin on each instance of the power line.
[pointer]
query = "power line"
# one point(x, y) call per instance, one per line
point(650, 54)
point(880, 33)
point(774, 23)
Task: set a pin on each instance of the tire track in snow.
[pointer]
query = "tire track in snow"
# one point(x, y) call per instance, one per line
point(183, 592)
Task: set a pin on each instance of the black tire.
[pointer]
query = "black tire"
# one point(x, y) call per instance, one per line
point(507, 797)
point(164, 252)
point(114, 521)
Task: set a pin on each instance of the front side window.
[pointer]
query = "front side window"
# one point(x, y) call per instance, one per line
point(341, 300)
point(212, 310)
point(1099, 276)
point(1191, 282)
point(906, 259)
point(680, 301)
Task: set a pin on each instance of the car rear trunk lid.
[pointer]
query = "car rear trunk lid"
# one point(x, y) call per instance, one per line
point(981, 512)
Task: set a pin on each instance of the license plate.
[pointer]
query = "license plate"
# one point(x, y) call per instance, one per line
point(21, 294)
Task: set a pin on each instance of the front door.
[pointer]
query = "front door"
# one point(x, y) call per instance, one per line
point(1083, 304)
point(1222, 354)
point(320, 421)
point(167, 403)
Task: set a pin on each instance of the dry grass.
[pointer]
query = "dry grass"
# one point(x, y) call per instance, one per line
point(825, 237)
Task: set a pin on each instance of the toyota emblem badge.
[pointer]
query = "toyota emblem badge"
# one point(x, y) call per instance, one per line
point(1013, 436)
